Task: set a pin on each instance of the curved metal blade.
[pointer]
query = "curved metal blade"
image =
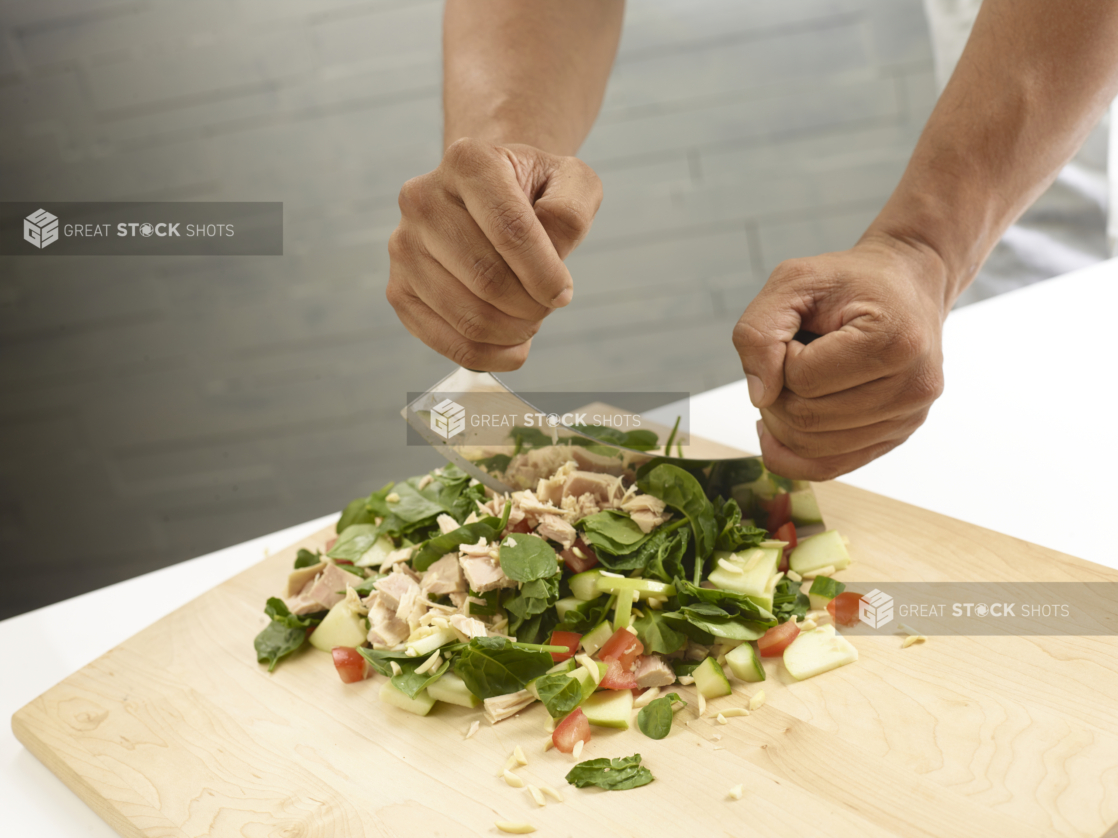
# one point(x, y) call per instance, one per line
point(516, 454)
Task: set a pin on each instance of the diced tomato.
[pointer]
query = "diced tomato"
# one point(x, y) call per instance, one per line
point(349, 663)
point(623, 647)
point(578, 563)
point(569, 639)
point(574, 728)
point(786, 532)
point(774, 641)
point(618, 677)
point(522, 526)
point(844, 608)
point(779, 511)
point(343, 561)
point(330, 544)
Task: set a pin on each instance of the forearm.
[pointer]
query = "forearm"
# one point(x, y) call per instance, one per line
point(1034, 79)
point(527, 71)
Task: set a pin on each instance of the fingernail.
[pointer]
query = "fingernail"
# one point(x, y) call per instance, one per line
point(565, 296)
point(760, 427)
point(756, 389)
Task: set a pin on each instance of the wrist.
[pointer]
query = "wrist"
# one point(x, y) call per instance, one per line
point(920, 260)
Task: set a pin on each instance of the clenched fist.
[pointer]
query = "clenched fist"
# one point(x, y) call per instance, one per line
point(477, 261)
point(862, 387)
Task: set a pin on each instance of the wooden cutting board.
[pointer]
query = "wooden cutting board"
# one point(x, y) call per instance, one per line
point(179, 732)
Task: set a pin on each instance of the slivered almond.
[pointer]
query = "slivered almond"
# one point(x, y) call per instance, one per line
point(518, 753)
point(730, 567)
point(550, 792)
point(912, 640)
point(537, 795)
point(908, 630)
point(429, 664)
point(612, 575)
point(548, 745)
point(509, 763)
point(474, 726)
point(392, 497)
point(646, 697)
point(752, 563)
point(702, 705)
point(795, 577)
point(576, 752)
point(731, 712)
point(736, 792)
point(686, 680)
point(829, 570)
point(396, 670)
point(807, 625)
point(722, 720)
point(515, 828)
point(757, 700)
point(513, 780)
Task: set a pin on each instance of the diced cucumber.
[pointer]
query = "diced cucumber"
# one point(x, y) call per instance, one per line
point(452, 689)
point(644, 587)
point(596, 638)
point(710, 680)
point(745, 663)
point(817, 651)
point(420, 705)
point(823, 590)
point(341, 627)
point(562, 606)
point(426, 645)
point(805, 509)
point(819, 551)
point(757, 565)
point(583, 585)
point(609, 708)
point(375, 555)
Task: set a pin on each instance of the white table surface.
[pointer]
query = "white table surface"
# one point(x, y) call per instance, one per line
point(1022, 441)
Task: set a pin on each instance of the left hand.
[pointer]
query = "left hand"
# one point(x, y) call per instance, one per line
point(866, 384)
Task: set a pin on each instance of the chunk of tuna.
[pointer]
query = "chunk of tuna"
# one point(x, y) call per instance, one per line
point(502, 706)
point(653, 671)
point(647, 511)
point(444, 576)
point(325, 590)
point(385, 628)
point(555, 528)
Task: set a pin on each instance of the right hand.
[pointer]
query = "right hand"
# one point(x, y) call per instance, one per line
point(477, 261)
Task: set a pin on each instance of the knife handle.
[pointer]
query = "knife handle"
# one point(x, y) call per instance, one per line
point(805, 337)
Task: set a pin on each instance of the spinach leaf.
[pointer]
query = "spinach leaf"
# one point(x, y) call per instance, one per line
point(284, 634)
point(733, 603)
point(680, 490)
point(560, 693)
point(536, 628)
point(495, 464)
point(585, 616)
point(730, 628)
point(612, 532)
point(657, 635)
point(364, 510)
point(732, 535)
point(535, 597)
point(381, 659)
point(440, 545)
point(493, 666)
point(367, 586)
point(305, 558)
point(640, 439)
point(684, 667)
point(655, 718)
point(354, 542)
point(666, 550)
point(613, 775)
point(411, 683)
point(526, 557)
point(789, 601)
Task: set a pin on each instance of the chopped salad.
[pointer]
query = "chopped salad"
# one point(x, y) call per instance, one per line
point(589, 594)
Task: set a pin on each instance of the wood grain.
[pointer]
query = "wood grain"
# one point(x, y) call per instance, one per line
point(179, 732)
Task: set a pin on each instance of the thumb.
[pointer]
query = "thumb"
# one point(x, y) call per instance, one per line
point(568, 202)
point(761, 338)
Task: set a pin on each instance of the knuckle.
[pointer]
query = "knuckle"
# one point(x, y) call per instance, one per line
point(512, 225)
point(801, 416)
point(466, 354)
point(568, 220)
point(413, 198)
point(490, 276)
point(927, 385)
point(748, 337)
point(473, 326)
point(462, 153)
point(398, 245)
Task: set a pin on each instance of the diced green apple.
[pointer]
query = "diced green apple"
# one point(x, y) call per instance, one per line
point(757, 566)
point(342, 626)
point(818, 551)
point(453, 690)
point(710, 680)
point(420, 705)
point(375, 555)
point(609, 708)
point(817, 651)
point(596, 638)
point(583, 585)
point(745, 663)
